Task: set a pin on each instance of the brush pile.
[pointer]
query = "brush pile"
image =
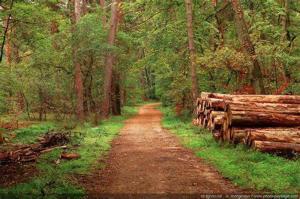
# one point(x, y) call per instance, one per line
point(268, 123)
point(30, 153)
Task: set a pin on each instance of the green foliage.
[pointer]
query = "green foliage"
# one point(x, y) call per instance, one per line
point(151, 52)
point(246, 168)
point(222, 64)
point(152, 57)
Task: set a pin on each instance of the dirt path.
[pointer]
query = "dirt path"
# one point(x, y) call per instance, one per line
point(145, 158)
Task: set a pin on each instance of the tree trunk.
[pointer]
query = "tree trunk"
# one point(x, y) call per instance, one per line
point(262, 119)
point(77, 10)
point(42, 104)
point(266, 146)
point(242, 30)
point(287, 135)
point(284, 20)
point(192, 50)
point(6, 31)
point(84, 7)
point(221, 29)
point(78, 73)
point(284, 99)
point(88, 83)
point(102, 5)
point(265, 107)
point(123, 95)
point(237, 135)
point(109, 61)
point(116, 98)
point(8, 43)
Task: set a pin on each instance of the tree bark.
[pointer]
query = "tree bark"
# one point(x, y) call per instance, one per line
point(192, 50)
point(84, 7)
point(262, 119)
point(6, 30)
point(78, 73)
point(286, 135)
point(284, 20)
point(116, 97)
point(284, 99)
point(266, 146)
point(242, 30)
point(77, 10)
point(102, 5)
point(8, 43)
point(237, 135)
point(109, 61)
point(265, 107)
point(88, 104)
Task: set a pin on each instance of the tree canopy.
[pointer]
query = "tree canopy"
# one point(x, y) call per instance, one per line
point(56, 62)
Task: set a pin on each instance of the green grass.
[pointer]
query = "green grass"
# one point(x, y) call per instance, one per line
point(53, 179)
point(244, 167)
point(30, 134)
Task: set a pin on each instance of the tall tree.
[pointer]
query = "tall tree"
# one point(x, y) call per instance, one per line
point(78, 73)
point(284, 19)
point(116, 94)
point(8, 42)
point(192, 50)
point(6, 29)
point(109, 60)
point(84, 9)
point(102, 5)
point(244, 37)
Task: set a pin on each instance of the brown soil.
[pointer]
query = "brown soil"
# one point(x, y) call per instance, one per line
point(17, 173)
point(146, 158)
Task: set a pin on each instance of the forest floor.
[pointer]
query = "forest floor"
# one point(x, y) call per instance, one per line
point(145, 150)
point(145, 158)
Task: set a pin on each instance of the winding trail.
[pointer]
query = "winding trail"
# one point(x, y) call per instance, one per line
point(145, 158)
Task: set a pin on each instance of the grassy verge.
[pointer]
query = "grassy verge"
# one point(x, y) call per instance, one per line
point(30, 134)
point(93, 142)
point(246, 168)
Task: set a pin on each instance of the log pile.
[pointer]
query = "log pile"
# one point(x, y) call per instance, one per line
point(30, 153)
point(268, 123)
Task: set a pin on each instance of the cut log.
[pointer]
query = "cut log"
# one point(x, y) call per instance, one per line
point(69, 156)
point(217, 134)
point(273, 135)
point(264, 107)
point(267, 123)
point(3, 156)
point(29, 153)
point(238, 135)
point(262, 119)
point(51, 149)
point(195, 122)
point(266, 146)
point(216, 104)
point(284, 99)
point(217, 121)
point(205, 95)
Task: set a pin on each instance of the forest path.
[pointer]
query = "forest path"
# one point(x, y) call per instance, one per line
point(145, 158)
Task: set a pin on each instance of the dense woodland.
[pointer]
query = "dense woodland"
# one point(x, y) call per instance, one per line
point(73, 71)
point(88, 58)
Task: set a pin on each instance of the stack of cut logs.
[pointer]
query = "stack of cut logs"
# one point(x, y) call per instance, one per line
point(30, 153)
point(269, 123)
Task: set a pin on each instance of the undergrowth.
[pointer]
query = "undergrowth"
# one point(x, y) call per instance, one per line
point(30, 134)
point(56, 179)
point(244, 167)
